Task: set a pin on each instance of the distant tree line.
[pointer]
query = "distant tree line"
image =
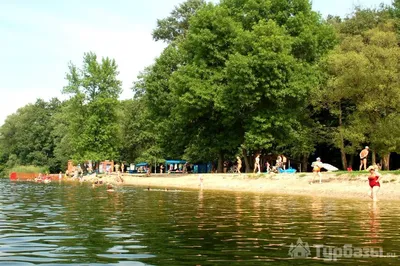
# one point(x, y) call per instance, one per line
point(236, 78)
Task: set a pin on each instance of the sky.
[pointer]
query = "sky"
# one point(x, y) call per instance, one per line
point(39, 38)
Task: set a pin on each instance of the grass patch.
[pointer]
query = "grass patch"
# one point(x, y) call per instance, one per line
point(302, 175)
point(355, 173)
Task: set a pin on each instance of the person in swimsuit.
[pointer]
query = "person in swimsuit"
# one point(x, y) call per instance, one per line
point(161, 168)
point(257, 164)
point(239, 165)
point(110, 188)
point(284, 161)
point(373, 178)
point(278, 162)
point(317, 165)
point(363, 158)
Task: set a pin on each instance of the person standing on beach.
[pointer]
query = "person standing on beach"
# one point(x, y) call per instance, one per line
point(161, 168)
point(278, 162)
point(284, 161)
point(257, 164)
point(317, 165)
point(373, 178)
point(363, 158)
point(239, 164)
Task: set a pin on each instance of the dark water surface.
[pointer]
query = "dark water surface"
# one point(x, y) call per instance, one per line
point(72, 224)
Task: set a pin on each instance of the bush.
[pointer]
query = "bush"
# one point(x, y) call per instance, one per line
point(28, 169)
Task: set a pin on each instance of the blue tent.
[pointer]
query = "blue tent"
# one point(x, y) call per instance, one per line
point(137, 166)
point(172, 162)
point(175, 162)
point(202, 168)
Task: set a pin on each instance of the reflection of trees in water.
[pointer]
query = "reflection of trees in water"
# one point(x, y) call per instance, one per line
point(196, 226)
point(93, 215)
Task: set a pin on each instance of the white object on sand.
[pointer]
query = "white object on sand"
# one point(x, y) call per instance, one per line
point(329, 167)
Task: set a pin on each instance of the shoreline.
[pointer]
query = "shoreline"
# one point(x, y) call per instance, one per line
point(343, 186)
point(353, 185)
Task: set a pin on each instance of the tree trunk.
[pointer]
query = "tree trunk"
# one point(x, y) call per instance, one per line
point(304, 163)
point(351, 161)
point(246, 161)
point(342, 151)
point(220, 168)
point(385, 161)
point(373, 157)
point(344, 160)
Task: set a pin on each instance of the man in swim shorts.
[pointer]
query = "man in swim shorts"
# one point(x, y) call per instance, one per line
point(317, 166)
point(363, 158)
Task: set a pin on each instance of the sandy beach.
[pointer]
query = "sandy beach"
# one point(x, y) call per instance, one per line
point(333, 185)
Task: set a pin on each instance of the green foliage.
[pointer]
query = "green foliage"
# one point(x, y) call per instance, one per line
point(90, 117)
point(241, 76)
point(176, 25)
point(26, 135)
point(28, 169)
point(362, 88)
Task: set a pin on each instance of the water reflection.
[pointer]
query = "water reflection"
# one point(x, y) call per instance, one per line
point(76, 224)
point(374, 223)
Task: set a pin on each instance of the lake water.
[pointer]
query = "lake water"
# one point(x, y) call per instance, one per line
point(72, 224)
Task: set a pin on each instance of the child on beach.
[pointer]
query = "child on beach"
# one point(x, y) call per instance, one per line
point(373, 178)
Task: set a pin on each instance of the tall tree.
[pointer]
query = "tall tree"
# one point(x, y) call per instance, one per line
point(362, 84)
point(93, 125)
point(176, 25)
point(248, 69)
point(26, 135)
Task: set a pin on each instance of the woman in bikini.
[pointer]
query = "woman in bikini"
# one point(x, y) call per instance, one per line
point(373, 178)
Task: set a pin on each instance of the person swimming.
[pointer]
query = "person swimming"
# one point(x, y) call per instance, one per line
point(110, 188)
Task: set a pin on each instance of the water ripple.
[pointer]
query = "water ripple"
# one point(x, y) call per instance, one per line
point(69, 224)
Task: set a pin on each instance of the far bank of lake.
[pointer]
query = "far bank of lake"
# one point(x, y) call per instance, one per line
point(338, 185)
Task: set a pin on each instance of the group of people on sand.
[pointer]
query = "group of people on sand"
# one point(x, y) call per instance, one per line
point(373, 178)
point(281, 161)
